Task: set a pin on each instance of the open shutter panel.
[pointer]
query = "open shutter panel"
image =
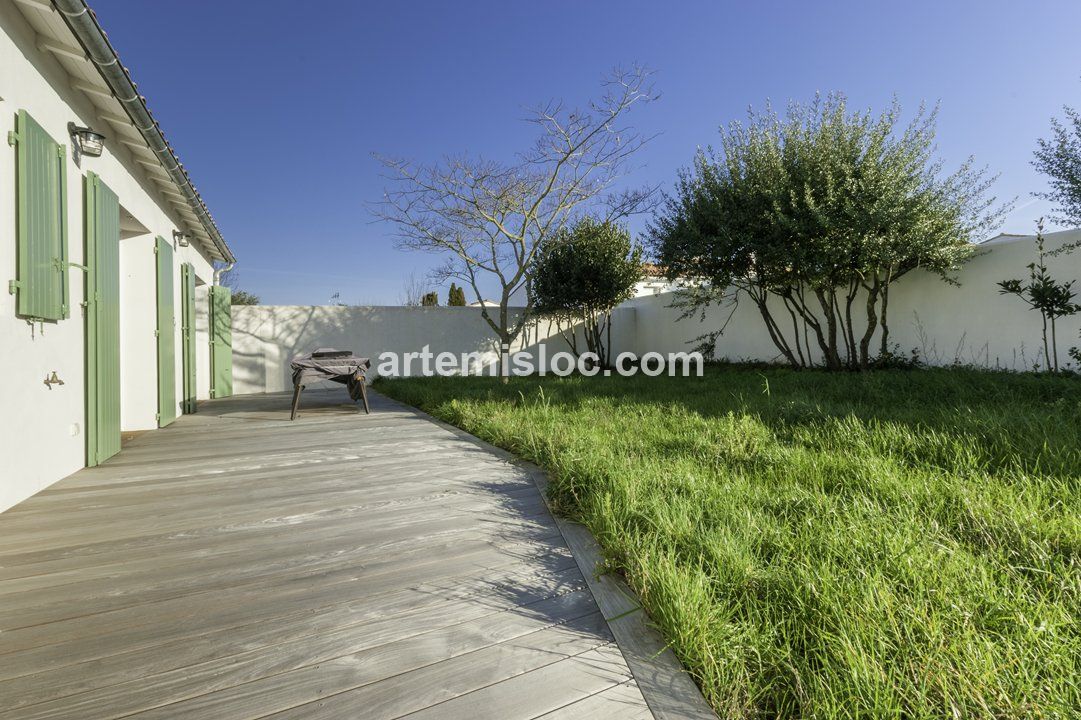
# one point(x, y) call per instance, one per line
point(102, 321)
point(163, 251)
point(187, 334)
point(41, 188)
point(221, 342)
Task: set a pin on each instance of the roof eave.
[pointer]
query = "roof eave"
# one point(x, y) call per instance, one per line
point(84, 27)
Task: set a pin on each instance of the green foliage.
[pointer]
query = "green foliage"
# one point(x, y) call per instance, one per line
point(1060, 159)
point(808, 213)
point(581, 274)
point(1045, 295)
point(231, 279)
point(456, 296)
point(430, 299)
point(824, 545)
point(243, 297)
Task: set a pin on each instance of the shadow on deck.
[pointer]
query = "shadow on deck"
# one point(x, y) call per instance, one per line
point(343, 565)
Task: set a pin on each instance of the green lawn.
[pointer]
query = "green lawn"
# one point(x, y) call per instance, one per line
point(889, 544)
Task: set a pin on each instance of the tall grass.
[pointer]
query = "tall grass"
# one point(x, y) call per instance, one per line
point(889, 544)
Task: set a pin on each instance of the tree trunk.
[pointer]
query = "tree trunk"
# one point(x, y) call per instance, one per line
point(774, 331)
point(850, 331)
point(795, 330)
point(1054, 343)
point(607, 360)
point(829, 349)
point(872, 324)
point(1046, 348)
point(505, 340)
point(568, 337)
point(884, 347)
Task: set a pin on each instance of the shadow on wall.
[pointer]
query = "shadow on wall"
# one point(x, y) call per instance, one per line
point(267, 337)
point(970, 323)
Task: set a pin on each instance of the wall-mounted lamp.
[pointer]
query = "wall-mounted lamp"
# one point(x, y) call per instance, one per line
point(91, 142)
point(181, 239)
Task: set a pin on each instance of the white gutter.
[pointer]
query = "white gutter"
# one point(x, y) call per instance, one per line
point(84, 26)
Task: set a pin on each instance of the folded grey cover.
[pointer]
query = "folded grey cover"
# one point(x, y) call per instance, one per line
point(340, 366)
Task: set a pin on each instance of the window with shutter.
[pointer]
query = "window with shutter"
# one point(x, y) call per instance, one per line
point(41, 285)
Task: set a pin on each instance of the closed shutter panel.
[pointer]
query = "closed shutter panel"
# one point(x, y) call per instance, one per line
point(165, 332)
point(41, 218)
point(221, 342)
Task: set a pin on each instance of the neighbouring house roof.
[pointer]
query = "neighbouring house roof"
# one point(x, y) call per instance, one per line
point(69, 30)
point(1053, 239)
point(650, 270)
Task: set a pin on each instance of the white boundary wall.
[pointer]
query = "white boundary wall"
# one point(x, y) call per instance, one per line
point(266, 337)
point(970, 323)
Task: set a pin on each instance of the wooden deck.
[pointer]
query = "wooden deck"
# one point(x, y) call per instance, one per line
point(238, 565)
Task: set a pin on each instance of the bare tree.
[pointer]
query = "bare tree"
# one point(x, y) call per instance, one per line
point(413, 291)
point(490, 218)
point(231, 279)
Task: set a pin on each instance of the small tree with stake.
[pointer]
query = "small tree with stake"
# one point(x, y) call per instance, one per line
point(580, 276)
point(1042, 293)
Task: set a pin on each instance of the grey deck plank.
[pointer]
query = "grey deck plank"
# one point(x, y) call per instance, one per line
point(280, 676)
point(343, 565)
point(142, 628)
point(439, 682)
point(620, 702)
point(125, 589)
point(524, 696)
point(490, 591)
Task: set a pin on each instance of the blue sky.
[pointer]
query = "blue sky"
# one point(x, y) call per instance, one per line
point(275, 111)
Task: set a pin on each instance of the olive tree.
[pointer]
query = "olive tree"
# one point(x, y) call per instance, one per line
point(812, 216)
point(580, 276)
point(1059, 158)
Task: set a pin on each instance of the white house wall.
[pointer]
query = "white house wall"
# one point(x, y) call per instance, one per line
point(42, 428)
point(138, 321)
point(202, 340)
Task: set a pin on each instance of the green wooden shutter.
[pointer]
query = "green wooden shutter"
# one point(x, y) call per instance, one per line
point(221, 342)
point(102, 230)
point(187, 334)
point(165, 333)
point(41, 284)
